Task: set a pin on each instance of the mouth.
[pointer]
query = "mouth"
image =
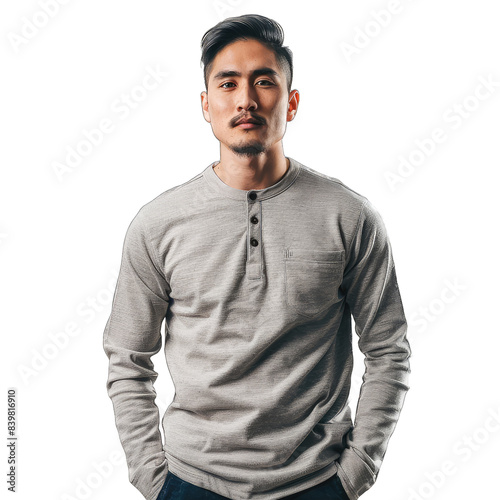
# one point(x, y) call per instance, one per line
point(248, 125)
point(249, 122)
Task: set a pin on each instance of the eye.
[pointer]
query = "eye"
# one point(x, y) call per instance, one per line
point(266, 82)
point(226, 83)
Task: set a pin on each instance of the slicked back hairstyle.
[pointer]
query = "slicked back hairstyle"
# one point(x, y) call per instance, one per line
point(261, 28)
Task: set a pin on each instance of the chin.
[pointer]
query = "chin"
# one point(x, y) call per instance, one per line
point(248, 146)
point(248, 150)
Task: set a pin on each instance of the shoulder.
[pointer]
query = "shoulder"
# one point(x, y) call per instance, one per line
point(168, 203)
point(331, 191)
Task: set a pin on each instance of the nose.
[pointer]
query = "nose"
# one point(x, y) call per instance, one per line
point(246, 99)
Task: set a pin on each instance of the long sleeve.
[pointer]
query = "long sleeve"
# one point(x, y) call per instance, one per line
point(372, 295)
point(131, 336)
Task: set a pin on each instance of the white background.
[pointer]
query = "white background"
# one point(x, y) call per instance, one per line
point(61, 236)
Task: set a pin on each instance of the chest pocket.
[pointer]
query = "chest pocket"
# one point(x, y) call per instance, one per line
point(312, 279)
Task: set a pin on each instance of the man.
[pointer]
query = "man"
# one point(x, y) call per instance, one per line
point(256, 265)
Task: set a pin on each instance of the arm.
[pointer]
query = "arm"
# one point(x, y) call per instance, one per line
point(132, 335)
point(372, 294)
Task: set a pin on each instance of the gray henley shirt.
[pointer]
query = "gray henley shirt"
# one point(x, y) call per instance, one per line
point(257, 289)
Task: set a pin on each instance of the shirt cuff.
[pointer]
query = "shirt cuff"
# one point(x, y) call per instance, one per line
point(354, 473)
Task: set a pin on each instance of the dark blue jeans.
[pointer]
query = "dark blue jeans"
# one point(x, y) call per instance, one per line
point(175, 488)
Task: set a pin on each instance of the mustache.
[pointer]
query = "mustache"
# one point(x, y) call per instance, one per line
point(245, 116)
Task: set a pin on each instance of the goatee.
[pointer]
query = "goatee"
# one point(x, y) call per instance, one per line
point(251, 149)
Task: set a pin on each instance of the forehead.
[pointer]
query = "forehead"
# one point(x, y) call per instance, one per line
point(244, 56)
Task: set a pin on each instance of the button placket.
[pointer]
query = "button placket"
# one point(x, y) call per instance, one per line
point(254, 236)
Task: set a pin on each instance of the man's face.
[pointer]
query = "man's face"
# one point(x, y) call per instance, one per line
point(247, 83)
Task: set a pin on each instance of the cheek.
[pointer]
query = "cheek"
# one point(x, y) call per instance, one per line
point(220, 115)
point(279, 118)
point(279, 111)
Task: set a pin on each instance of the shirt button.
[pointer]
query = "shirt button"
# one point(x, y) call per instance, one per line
point(252, 195)
point(254, 220)
point(254, 242)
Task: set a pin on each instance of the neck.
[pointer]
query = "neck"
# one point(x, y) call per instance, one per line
point(251, 172)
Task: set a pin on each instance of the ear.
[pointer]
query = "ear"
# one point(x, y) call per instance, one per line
point(293, 104)
point(204, 106)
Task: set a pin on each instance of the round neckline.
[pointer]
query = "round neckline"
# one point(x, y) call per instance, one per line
point(242, 194)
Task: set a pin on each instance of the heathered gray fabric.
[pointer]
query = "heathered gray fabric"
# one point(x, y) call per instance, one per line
point(258, 339)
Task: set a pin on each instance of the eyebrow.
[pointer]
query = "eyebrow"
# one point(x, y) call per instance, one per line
point(257, 72)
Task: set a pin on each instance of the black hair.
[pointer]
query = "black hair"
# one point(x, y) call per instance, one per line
point(265, 30)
